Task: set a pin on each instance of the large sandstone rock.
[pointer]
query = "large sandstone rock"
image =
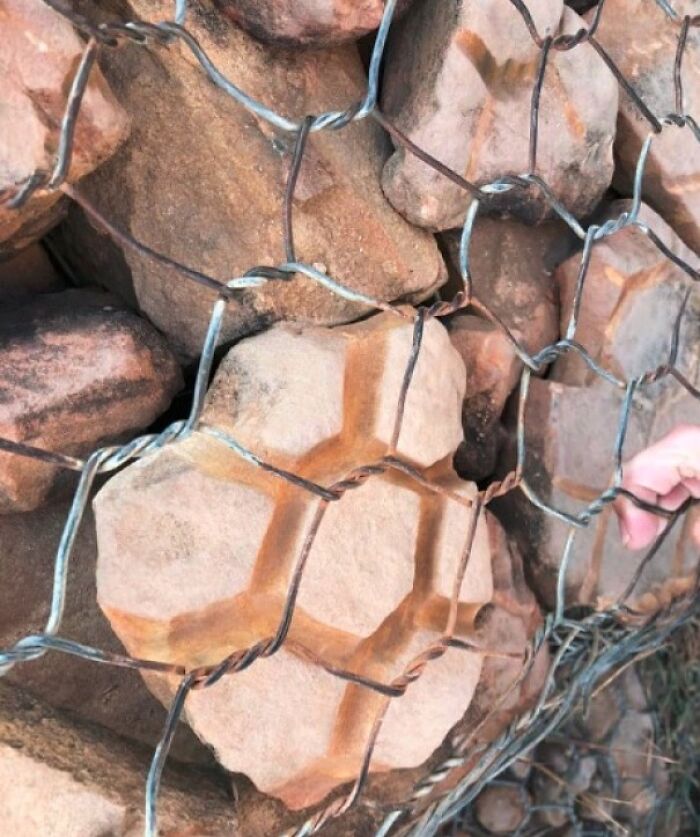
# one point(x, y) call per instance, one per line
point(41, 52)
point(632, 294)
point(309, 23)
point(186, 198)
point(642, 40)
point(570, 438)
point(631, 299)
point(458, 81)
point(75, 369)
point(66, 780)
point(197, 549)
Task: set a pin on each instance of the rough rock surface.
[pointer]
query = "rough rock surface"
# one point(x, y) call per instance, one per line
point(75, 369)
point(631, 299)
point(493, 369)
point(318, 403)
point(223, 219)
point(309, 23)
point(511, 268)
point(115, 698)
point(67, 780)
point(643, 40)
point(40, 55)
point(458, 81)
point(502, 808)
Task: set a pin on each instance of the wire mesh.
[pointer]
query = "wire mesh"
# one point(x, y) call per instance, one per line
point(585, 649)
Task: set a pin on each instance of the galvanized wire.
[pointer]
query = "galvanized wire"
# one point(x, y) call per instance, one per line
point(579, 659)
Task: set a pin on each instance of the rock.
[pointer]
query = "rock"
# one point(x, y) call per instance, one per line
point(68, 780)
point(631, 299)
point(493, 369)
point(76, 370)
point(642, 40)
point(26, 273)
point(318, 23)
point(341, 218)
point(115, 698)
point(458, 81)
point(502, 808)
point(39, 59)
point(511, 267)
point(570, 438)
point(318, 403)
point(632, 294)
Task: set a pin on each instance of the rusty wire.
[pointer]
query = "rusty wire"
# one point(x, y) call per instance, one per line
point(578, 664)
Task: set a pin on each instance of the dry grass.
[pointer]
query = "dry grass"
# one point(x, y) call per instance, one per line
point(672, 680)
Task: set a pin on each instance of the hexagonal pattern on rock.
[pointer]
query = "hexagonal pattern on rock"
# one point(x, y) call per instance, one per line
point(197, 549)
point(195, 534)
point(279, 712)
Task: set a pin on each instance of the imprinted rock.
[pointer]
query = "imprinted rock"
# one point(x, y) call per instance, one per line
point(570, 437)
point(458, 81)
point(643, 41)
point(197, 549)
point(67, 780)
point(75, 370)
point(342, 221)
point(41, 52)
point(631, 297)
point(493, 369)
point(315, 23)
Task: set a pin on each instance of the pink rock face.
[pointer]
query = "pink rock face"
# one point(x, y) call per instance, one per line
point(67, 780)
point(341, 218)
point(642, 40)
point(307, 23)
point(75, 370)
point(458, 81)
point(197, 548)
point(41, 51)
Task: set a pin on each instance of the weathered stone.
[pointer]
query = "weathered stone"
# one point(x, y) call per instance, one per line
point(75, 370)
point(115, 698)
point(197, 548)
point(67, 780)
point(493, 369)
point(458, 81)
point(40, 55)
point(631, 299)
point(341, 218)
point(511, 268)
point(315, 23)
point(501, 808)
point(632, 294)
point(570, 437)
point(642, 40)
point(28, 272)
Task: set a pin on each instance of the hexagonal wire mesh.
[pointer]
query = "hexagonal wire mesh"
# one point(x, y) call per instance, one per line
point(585, 649)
